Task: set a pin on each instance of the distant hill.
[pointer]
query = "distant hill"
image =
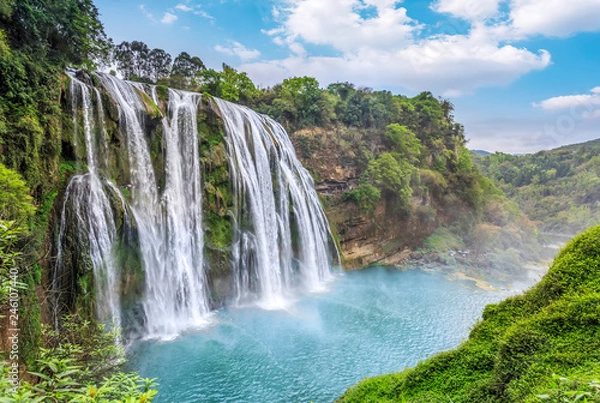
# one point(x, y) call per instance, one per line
point(481, 153)
point(570, 147)
point(560, 187)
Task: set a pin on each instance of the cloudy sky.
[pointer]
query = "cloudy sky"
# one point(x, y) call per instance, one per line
point(524, 75)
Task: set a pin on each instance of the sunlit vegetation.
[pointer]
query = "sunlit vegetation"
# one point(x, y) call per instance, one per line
point(521, 349)
point(560, 188)
point(38, 40)
point(79, 364)
point(410, 159)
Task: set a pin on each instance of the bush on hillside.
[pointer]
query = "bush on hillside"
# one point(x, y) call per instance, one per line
point(513, 354)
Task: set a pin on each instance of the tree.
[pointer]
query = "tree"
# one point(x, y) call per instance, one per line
point(159, 64)
point(66, 31)
point(343, 90)
point(133, 60)
point(187, 66)
point(366, 196)
point(392, 176)
point(404, 142)
point(228, 84)
point(301, 103)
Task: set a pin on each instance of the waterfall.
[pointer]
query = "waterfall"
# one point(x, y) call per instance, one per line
point(282, 235)
point(281, 240)
point(86, 207)
point(176, 294)
point(169, 226)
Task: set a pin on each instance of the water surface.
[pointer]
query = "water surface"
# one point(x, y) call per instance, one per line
point(367, 323)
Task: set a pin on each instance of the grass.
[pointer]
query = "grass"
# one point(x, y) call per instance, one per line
point(516, 351)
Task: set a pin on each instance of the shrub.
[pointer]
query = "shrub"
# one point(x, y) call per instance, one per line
point(366, 196)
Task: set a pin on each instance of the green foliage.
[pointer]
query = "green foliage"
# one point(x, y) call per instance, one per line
point(219, 230)
point(87, 343)
point(512, 354)
point(464, 163)
point(138, 62)
point(187, 66)
point(560, 187)
point(10, 260)
point(64, 31)
point(151, 108)
point(218, 198)
point(229, 85)
point(162, 92)
point(404, 142)
point(392, 176)
point(80, 366)
point(442, 240)
point(570, 391)
point(365, 195)
point(15, 201)
point(132, 59)
point(298, 102)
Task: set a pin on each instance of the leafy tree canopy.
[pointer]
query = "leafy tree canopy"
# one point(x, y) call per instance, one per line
point(68, 32)
point(15, 201)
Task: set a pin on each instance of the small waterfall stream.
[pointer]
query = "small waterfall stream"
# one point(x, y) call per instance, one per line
point(281, 240)
point(87, 207)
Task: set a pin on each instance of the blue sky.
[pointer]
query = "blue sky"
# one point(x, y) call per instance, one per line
point(522, 74)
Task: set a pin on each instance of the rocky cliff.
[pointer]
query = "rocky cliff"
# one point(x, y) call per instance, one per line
point(385, 235)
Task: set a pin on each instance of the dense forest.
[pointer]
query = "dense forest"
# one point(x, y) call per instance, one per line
point(559, 188)
point(392, 171)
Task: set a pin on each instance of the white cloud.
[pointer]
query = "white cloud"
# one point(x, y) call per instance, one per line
point(183, 7)
point(376, 43)
point(275, 12)
point(239, 50)
point(204, 14)
point(382, 50)
point(586, 106)
point(451, 66)
point(339, 23)
point(168, 18)
point(468, 9)
point(195, 9)
point(555, 17)
point(146, 13)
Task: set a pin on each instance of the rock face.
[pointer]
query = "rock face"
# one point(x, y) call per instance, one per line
point(382, 236)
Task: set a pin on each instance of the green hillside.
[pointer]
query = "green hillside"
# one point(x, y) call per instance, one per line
point(522, 343)
point(573, 147)
point(481, 153)
point(559, 188)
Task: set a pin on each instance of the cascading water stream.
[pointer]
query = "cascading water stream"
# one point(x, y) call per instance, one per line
point(282, 232)
point(89, 209)
point(176, 294)
point(169, 227)
point(281, 236)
